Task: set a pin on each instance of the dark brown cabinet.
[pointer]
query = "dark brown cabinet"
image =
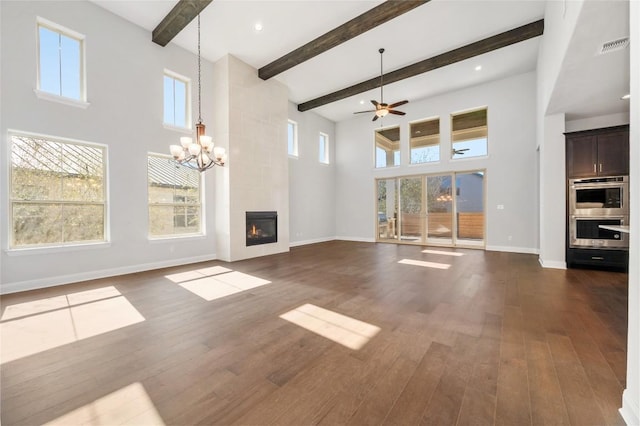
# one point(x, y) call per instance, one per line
point(600, 152)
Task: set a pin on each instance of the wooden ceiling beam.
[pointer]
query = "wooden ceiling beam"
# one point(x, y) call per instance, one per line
point(370, 19)
point(507, 38)
point(182, 13)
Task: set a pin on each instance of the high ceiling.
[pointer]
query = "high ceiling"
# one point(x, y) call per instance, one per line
point(438, 26)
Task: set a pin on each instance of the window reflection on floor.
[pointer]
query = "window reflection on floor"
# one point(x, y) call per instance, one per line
point(130, 405)
point(446, 253)
point(33, 327)
point(425, 264)
point(341, 329)
point(216, 282)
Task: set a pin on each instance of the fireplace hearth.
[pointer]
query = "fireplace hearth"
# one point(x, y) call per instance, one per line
point(262, 228)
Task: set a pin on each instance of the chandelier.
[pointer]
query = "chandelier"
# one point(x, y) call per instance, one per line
point(199, 154)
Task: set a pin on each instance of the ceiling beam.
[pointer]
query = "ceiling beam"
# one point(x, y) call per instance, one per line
point(516, 35)
point(370, 19)
point(182, 13)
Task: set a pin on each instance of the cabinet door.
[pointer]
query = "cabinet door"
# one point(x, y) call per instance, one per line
point(613, 154)
point(582, 156)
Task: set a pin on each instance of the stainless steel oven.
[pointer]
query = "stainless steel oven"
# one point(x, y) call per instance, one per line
point(603, 196)
point(585, 232)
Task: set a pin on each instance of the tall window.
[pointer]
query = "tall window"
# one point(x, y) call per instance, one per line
point(292, 137)
point(60, 61)
point(469, 134)
point(57, 192)
point(425, 141)
point(323, 150)
point(387, 143)
point(175, 204)
point(176, 100)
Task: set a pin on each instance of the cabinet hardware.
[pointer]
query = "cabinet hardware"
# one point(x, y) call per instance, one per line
point(597, 258)
point(600, 167)
point(594, 167)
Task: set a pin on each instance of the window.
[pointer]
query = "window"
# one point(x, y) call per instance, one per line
point(57, 192)
point(176, 100)
point(292, 136)
point(174, 198)
point(469, 134)
point(324, 148)
point(60, 61)
point(387, 143)
point(425, 141)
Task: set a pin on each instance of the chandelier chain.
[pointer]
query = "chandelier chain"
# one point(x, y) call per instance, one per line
point(199, 89)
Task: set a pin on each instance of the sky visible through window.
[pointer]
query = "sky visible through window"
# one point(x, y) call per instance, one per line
point(476, 148)
point(59, 64)
point(291, 135)
point(175, 102)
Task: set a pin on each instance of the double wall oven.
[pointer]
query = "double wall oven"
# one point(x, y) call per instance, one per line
point(597, 202)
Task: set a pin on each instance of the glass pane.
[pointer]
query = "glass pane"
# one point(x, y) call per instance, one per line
point(470, 205)
point(169, 117)
point(160, 220)
point(387, 209)
point(70, 50)
point(472, 148)
point(425, 141)
point(82, 176)
point(180, 103)
point(387, 143)
point(186, 220)
point(291, 138)
point(36, 224)
point(36, 169)
point(469, 134)
point(324, 151)
point(439, 207)
point(83, 223)
point(411, 217)
point(49, 61)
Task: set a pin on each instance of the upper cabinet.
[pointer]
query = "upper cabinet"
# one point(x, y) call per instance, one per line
point(600, 152)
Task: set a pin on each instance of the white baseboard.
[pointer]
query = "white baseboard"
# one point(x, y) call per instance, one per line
point(356, 239)
point(313, 241)
point(511, 249)
point(93, 275)
point(630, 411)
point(552, 264)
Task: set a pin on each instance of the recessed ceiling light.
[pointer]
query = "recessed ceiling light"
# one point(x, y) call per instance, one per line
point(362, 102)
point(257, 26)
point(627, 96)
point(478, 67)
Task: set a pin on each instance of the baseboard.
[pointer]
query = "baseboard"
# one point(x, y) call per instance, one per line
point(511, 249)
point(356, 239)
point(94, 275)
point(552, 264)
point(630, 411)
point(313, 241)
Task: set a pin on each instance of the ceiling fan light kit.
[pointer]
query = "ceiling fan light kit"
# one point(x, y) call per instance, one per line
point(382, 109)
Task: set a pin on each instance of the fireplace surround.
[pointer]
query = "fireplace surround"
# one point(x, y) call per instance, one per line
point(262, 228)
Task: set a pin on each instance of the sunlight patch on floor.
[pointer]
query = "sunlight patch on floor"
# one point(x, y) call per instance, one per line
point(195, 274)
point(446, 253)
point(224, 284)
point(425, 264)
point(347, 331)
point(33, 327)
point(130, 405)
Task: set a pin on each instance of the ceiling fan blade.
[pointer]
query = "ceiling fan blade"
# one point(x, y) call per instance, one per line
point(398, 104)
point(360, 112)
point(375, 117)
point(391, 111)
point(375, 103)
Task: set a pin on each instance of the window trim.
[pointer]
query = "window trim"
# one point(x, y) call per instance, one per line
point(188, 118)
point(327, 154)
point(57, 247)
point(201, 191)
point(296, 152)
point(52, 26)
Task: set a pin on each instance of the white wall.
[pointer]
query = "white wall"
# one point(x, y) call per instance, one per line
point(597, 122)
point(311, 183)
point(631, 396)
point(510, 166)
point(125, 90)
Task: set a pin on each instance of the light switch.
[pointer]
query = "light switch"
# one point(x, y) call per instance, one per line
point(500, 206)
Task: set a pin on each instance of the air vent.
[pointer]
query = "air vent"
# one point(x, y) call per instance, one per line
point(612, 46)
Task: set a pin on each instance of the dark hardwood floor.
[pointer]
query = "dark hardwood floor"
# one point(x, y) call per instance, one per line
point(493, 339)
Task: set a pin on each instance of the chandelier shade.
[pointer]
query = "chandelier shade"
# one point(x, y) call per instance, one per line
point(199, 154)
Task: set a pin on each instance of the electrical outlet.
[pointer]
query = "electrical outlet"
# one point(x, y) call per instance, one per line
point(500, 206)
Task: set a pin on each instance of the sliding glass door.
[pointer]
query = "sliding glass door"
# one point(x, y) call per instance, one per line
point(411, 209)
point(470, 208)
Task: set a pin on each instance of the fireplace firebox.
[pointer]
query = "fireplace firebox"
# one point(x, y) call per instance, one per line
point(262, 228)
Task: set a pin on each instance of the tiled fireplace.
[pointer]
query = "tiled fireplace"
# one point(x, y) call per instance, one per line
point(262, 228)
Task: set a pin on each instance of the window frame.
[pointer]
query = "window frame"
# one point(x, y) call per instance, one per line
point(323, 139)
point(57, 246)
point(439, 144)
point(451, 135)
point(81, 102)
point(187, 108)
point(295, 153)
point(201, 205)
point(396, 154)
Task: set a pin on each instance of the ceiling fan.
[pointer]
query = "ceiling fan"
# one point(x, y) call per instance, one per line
point(383, 109)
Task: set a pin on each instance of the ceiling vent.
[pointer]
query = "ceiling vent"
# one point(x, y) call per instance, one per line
point(612, 46)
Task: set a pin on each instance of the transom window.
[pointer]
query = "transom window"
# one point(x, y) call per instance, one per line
point(57, 192)
point(425, 141)
point(323, 150)
point(292, 137)
point(387, 145)
point(175, 203)
point(176, 100)
point(60, 61)
point(469, 134)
